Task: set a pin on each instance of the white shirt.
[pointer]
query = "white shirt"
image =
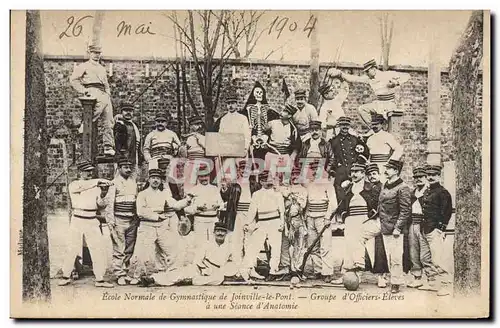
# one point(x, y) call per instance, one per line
point(321, 199)
point(150, 203)
point(89, 72)
point(123, 194)
point(212, 256)
point(416, 208)
point(85, 197)
point(280, 133)
point(332, 110)
point(303, 116)
point(209, 196)
point(384, 143)
point(314, 148)
point(379, 83)
point(267, 203)
point(236, 123)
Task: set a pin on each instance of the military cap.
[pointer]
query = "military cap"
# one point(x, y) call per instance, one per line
point(392, 163)
point(419, 172)
point(220, 226)
point(123, 161)
point(161, 117)
point(155, 173)
point(344, 120)
point(85, 166)
point(371, 168)
point(315, 125)
point(369, 64)
point(377, 118)
point(433, 169)
point(360, 164)
point(195, 120)
point(232, 97)
point(300, 93)
point(126, 106)
point(94, 48)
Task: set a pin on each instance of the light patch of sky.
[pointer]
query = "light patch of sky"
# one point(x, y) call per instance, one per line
point(358, 31)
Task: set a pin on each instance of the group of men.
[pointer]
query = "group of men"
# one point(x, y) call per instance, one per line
point(306, 173)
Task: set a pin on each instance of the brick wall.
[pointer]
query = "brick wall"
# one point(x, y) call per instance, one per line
point(128, 79)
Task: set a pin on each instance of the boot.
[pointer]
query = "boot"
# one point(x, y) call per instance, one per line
point(394, 289)
point(122, 281)
point(64, 281)
point(103, 284)
point(429, 286)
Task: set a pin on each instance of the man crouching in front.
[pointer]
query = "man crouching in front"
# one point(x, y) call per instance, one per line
point(207, 268)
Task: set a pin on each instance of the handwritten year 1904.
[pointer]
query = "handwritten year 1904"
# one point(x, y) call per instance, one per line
point(280, 23)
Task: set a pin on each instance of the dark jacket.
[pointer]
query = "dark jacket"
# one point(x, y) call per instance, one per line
point(306, 145)
point(126, 143)
point(343, 151)
point(437, 208)
point(372, 191)
point(232, 196)
point(394, 207)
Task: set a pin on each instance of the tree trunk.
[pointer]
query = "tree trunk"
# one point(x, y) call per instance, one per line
point(314, 69)
point(464, 74)
point(36, 267)
point(97, 27)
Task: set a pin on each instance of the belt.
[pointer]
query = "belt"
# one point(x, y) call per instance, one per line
point(386, 97)
point(417, 218)
point(206, 215)
point(99, 86)
point(269, 218)
point(92, 213)
point(158, 151)
point(211, 263)
point(283, 150)
point(84, 217)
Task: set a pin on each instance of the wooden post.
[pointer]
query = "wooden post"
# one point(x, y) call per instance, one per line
point(394, 122)
point(35, 246)
point(89, 131)
point(314, 68)
point(434, 104)
point(467, 141)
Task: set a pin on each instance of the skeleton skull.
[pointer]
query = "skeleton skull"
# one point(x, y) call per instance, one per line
point(258, 94)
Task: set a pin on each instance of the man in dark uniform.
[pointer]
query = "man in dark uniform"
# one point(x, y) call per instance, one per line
point(343, 152)
point(128, 137)
point(437, 209)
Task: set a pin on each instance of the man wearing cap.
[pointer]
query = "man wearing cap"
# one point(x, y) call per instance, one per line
point(334, 95)
point(90, 79)
point(305, 114)
point(87, 196)
point(122, 219)
point(161, 142)
point(128, 137)
point(209, 265)
point(321, 202)
point(284, 142)
point(266, 220)
point(381, 144)
point(234, 122)
point(437, 209)
point(158, 229)
point(193, 148)
point(420, 254)
point(344, 150)
point(375, 247)
point(205, 206)
point(315, 149)
point(383, 83)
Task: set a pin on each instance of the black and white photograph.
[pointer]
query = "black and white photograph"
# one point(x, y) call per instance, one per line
point(250, 164)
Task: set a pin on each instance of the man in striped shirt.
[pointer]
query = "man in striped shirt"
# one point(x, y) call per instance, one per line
point(193, 149)
point(161, 142)
point(87, 196)
point(266, 220)
point(383, 83)
point(305, 114)
point(321, 202)
point(382, 145)
point(122, 219)
point(158, 229)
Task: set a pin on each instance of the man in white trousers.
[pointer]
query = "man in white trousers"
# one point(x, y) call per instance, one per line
point(87, 196)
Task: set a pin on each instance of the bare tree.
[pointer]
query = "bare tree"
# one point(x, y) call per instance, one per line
point(36, 268)
point(202, 35)
point(248, 22)
point(464, 74)
point(386, 31)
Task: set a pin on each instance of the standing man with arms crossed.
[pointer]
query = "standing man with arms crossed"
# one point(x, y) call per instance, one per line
point(90, 79)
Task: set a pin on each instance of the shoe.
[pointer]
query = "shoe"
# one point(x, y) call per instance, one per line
point(122, 281)
point(394, 289)
point(64, 281)
point(104, 284)
point(254, 274)
point(417, 282)
point(146, 281)
point(338, 281)
point(428, 287)
point(133, 282)
point(328, 279)
point(381, 283)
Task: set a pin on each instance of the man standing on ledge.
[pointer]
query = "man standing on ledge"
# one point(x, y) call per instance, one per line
point(383, 83)
point(305, 114)
point(90, 79)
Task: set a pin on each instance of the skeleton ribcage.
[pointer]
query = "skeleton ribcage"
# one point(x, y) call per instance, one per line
point(258, 120)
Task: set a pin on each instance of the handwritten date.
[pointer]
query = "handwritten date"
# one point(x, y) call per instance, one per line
point(75, 28)
point(280, 23)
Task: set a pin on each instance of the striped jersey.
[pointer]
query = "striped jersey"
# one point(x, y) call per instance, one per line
point(123, 194)
point(160, 143)
point(321, 199)
point(85, 198)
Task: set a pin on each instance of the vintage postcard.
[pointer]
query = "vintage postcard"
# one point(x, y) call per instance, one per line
point(250, 164)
